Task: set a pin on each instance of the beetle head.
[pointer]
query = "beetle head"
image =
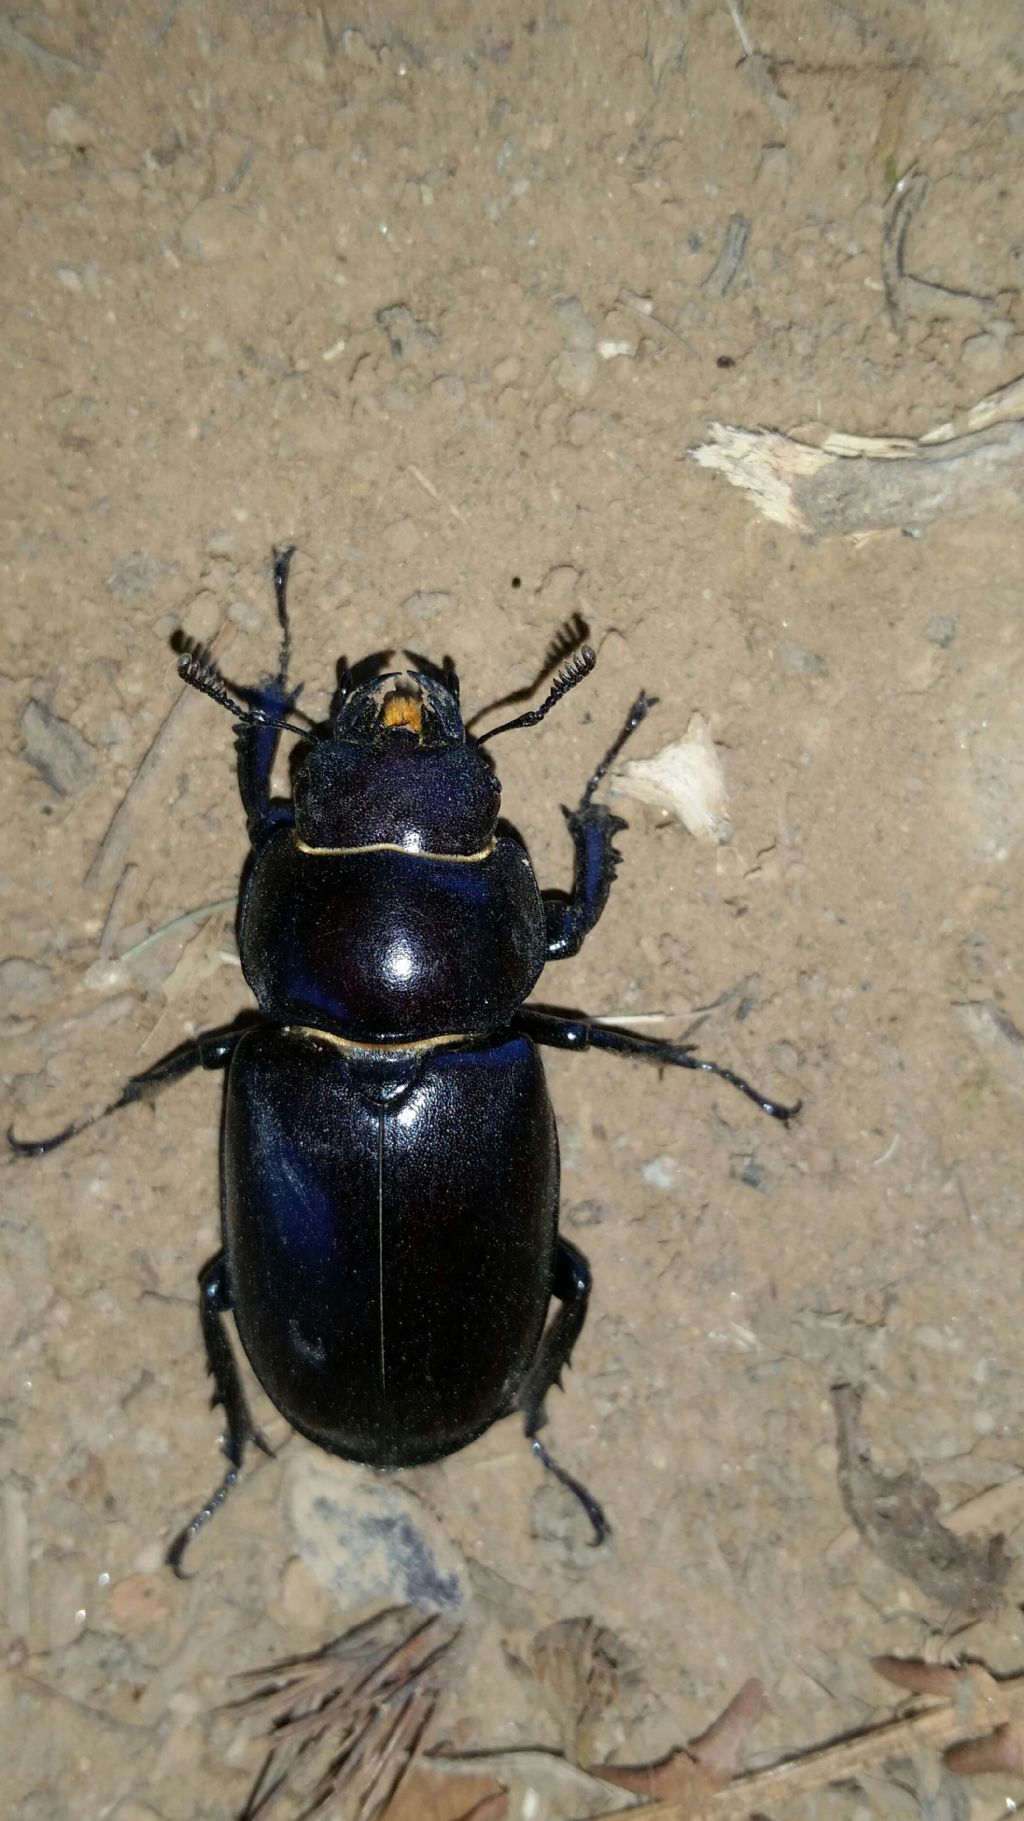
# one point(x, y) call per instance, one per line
point(397, 771)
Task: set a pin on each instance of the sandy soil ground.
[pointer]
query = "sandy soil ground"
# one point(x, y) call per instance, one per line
point(445, 295)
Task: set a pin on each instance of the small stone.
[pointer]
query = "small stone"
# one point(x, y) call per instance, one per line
point(301, 1603)
point(140, 1601)
point(402, 537)
point(222, 544)
point(126, 185)
point(574, 372)
point(753, 1176)
point(577, 329)
point(586, 1213)
point(982, 352)
point(66, 126)
point(450, 388)
point(800, 661)
point(69, 279)
point(583, 427)
point(407, 334)
point(941, 630)
point(663, 1172)
point(216, 229)
point(774, 169)
point(21, 979)
point(365, 1540)
point(201, 618)
point(136, 577)
point(426, 606)
point(55, 749)
point(507, 371)
point(246, 615)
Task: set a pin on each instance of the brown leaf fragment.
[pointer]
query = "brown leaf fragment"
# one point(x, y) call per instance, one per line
point(433, 1792)
point(895, 1514)
point(721, 1749)
point(677, 1778)
point(1000, 1751)
point(492, 1808)
point(691, 1776)
point(918, 1678)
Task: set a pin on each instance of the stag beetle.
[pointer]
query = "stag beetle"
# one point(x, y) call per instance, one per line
point(389, 1155)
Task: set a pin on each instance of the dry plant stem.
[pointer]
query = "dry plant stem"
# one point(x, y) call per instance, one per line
point(171, 738)
point(996, 1705)
point(363, 1698)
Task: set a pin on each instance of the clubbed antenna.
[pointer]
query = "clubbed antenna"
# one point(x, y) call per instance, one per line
point(200, 672)
point(574, 672)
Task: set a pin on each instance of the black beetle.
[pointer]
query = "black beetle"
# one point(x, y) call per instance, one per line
point(389, 1159)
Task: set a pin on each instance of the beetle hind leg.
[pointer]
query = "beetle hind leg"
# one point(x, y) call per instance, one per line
point(214, 1304)
point(572, 1288)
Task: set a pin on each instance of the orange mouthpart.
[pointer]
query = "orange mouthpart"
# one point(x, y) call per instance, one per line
point(402, 711)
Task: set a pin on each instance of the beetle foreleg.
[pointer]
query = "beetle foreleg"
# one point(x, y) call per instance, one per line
point(593, 828)
point(578, 1034)
point(569, 920)
point(214, 1304)
point(572, 1287)
point(256, 746)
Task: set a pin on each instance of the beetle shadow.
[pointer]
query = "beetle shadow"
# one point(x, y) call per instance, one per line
point(570, 636)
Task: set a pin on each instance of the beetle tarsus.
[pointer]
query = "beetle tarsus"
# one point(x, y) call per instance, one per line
point(176, 1553)
point(579, 1034)
point(600, 1523)
point(637, 713)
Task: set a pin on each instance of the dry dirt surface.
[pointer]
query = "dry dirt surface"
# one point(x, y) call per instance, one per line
point(445, 295)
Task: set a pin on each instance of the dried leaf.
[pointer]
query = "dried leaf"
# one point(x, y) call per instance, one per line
point(686, 779)
point(895, 1515)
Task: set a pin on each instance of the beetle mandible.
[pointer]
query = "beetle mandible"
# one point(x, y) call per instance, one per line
point(390, 1241)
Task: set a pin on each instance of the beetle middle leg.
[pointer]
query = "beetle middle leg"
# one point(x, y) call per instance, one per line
point(593, 828)
point(572, 1288)
point(579, 1034)
point(214, 1304)
point(213, 1050)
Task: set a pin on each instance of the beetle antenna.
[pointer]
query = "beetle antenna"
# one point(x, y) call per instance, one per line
point(201, 673)
point(575, 671)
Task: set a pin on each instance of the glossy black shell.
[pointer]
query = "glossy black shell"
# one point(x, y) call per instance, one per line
point(389, 1279)
point(388, 944)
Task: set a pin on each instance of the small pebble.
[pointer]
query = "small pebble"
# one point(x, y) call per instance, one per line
point(66, 126)
point(140, 1600)
point(125, 184)
point(800, 661)
point(55, 749)
point(402, 538)
point(663, 1172)
point(21, 979)
point(577, 329)
point(574, 372)
point(941, 630)
point(586, 1213)
point(584, 426)
point(426, 606)
point(216, 229)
